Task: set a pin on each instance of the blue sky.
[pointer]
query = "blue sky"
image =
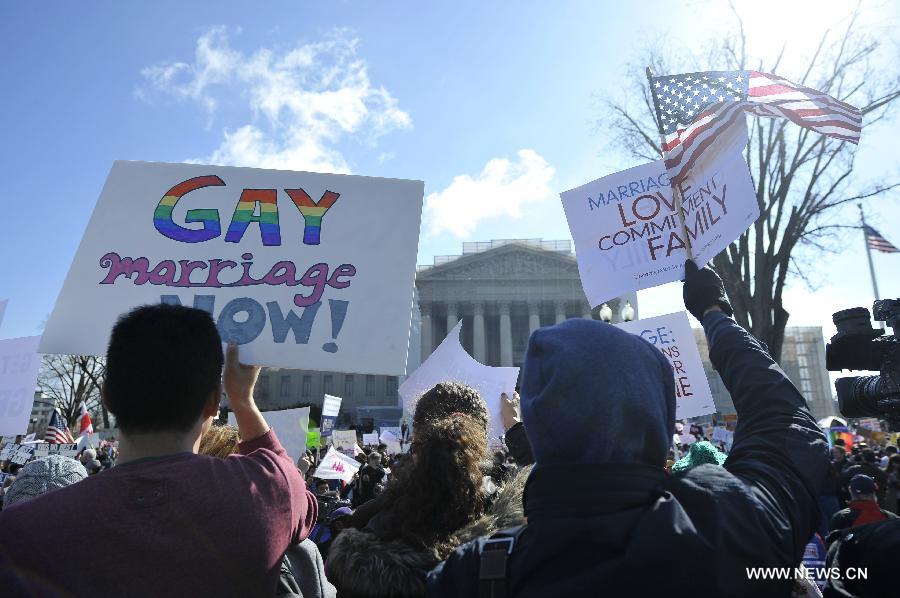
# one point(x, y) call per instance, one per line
point(492, 104)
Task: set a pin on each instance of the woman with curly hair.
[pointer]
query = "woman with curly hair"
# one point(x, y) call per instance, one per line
point(435, 502)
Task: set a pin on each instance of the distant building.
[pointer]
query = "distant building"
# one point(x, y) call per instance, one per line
point(501, 290)
point(802, 359)
point(41, 411)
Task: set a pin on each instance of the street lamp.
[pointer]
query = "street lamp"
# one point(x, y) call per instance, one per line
point(627, 312)
point(606, 313)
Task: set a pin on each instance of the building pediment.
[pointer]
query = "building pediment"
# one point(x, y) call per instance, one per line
point(508, 261)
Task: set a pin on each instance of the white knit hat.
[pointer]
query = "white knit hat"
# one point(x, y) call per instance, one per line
point(44, 475)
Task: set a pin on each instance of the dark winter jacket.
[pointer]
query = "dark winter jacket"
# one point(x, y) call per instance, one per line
point(859, 512)
point(361, 564)
point(630, 529)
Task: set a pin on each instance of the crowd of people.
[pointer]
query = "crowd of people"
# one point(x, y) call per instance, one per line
point(588, 497)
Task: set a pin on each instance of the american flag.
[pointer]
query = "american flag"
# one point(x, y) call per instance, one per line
point(694, 109)
point(876, 241)
point(57, 430)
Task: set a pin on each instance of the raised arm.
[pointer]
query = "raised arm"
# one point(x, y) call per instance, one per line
point(778, 449)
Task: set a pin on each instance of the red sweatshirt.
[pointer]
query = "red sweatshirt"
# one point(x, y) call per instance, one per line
point(184, 524)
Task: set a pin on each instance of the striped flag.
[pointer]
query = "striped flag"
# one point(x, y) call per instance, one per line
point(57, 430)
point(694, 109)
point(87, 427)
point(876, 241)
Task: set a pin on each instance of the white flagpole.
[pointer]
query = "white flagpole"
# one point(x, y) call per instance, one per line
point(862, 219)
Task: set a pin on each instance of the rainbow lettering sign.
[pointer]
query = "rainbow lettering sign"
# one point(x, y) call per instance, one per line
point(245, 213)
point(291, 293)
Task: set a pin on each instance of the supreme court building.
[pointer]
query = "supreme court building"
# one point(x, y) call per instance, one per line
point(502, 290)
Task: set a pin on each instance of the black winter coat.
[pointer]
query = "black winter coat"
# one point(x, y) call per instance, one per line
point(631, 529)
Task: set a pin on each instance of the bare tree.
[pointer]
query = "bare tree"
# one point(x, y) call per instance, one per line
point(67, 380)
point(801, 177)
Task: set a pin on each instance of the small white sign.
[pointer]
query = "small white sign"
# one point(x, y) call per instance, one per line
point(336, 466)
point(290, 425)
point(19, 365)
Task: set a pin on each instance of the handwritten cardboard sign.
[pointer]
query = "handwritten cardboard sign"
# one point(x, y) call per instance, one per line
point(672, 335)
point(300, 268)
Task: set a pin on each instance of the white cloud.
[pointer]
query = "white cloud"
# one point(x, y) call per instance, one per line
point(302, 100)
point(502, 188)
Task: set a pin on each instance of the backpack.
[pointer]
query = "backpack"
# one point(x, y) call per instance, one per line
point(494, 560)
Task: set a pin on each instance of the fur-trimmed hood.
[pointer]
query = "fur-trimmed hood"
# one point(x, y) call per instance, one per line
point(361, 565)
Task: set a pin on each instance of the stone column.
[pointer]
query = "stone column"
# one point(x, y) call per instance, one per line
point(534, 315)
point(560, 310)
point(452, 318)
point(586, 310)
point(506, 359)
point(425, 309)
point(479, 345)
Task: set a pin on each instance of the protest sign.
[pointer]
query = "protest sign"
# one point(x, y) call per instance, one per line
point(330, 408)
point(299, 268)
point(672, 335)
point(450, 362)
point(41, 450)
point(720, 434)
point(3, 309)
point(389, 434)
point(313, 438)
point(8, 451)
point(7, 440)
point(344, 441)
point(22, 455)
point(3, 477)
point(370, 439)
point(627, 232)
point(290, 426)
point(337, 466)
point(67, 449)
point(19, 364)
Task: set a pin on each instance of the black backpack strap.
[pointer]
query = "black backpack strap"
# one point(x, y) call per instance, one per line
point(494, 559)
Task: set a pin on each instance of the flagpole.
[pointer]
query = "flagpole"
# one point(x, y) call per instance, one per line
point(862, 219)
point(676, 195)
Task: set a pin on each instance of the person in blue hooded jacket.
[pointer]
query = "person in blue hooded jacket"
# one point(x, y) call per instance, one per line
point(604, 518)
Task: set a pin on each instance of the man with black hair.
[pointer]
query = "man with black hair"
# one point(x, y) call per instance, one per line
point(175, 522)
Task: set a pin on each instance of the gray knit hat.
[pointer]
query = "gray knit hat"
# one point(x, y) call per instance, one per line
point(44, 475)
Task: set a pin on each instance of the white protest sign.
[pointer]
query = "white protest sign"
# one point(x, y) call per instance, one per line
point(8, 451)
point(336, 466)
point(3, 309)
point(344, 440)
point(67, 449)
point(23, 454)
point(330, 408)
point(720, 434)
point(290, 425)
point(389, 434)
point(297, 267)
point(450, 363)
point(19, 365)
point(672, 335)
point(41, 450)
point(627, 232)
point(8, 439)
point(370, 439)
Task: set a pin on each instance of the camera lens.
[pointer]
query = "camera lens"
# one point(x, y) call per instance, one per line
point(858, 396)
point(855, 319)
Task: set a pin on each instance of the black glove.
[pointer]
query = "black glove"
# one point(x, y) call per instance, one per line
point(702, 290)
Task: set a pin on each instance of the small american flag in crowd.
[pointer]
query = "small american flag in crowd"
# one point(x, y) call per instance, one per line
point(57, 430)
point(693, 110)
point(876, 241)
